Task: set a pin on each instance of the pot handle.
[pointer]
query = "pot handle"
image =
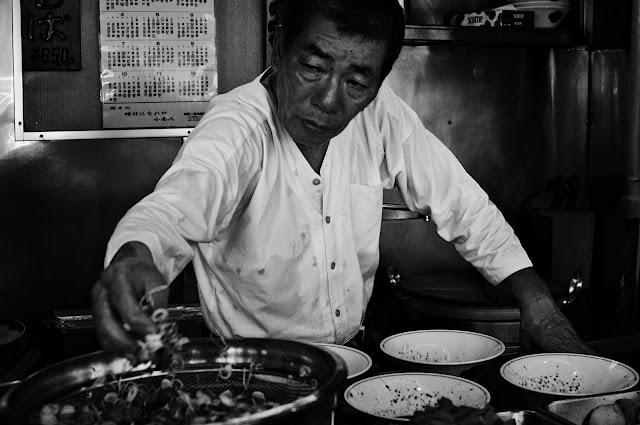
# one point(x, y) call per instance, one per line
point(393, 276)
point(575, 287)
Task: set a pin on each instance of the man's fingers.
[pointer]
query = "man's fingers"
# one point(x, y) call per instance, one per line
point(127, 306)
point(124, 293)
point(111, 335)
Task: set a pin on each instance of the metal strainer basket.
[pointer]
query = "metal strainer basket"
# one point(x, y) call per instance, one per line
point(301, 378)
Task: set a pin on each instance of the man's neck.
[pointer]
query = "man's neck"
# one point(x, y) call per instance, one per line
point(314, 155)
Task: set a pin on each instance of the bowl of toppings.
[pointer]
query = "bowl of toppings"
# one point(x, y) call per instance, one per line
point(568, 374)
point(357, 361)
point(398, 396)
point(441, 351)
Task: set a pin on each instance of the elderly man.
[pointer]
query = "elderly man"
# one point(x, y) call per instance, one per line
point(276, 196)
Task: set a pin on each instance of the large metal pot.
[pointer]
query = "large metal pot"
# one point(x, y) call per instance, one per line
point(464, 301)
point(307, 397)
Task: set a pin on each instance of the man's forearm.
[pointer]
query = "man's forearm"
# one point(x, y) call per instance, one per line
point(528, 288)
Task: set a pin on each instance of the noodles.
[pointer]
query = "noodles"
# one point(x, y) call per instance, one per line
point(166, 403)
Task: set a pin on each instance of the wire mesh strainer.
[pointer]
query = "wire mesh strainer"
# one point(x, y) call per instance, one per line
point(301, 378)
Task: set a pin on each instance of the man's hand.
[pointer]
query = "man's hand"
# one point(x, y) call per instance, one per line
point(543, 327)
point(115, 298)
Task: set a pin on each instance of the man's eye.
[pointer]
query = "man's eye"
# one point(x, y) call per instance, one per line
point(356, 86)
point(311, 68)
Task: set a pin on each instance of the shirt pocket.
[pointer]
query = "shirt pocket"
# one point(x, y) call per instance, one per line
point(366, 218)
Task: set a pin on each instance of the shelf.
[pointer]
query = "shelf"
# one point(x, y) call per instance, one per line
point(415, 35)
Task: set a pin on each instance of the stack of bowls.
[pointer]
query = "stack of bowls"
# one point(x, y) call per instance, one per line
point(546, 14)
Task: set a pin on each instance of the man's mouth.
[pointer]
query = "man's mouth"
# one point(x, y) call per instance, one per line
point(314, 126)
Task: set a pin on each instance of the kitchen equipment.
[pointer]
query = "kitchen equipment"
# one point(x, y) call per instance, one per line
point(463, 300)
point(12, 341)
point(301, 377)
point(357, 362)
point(568, 374)
point(441, 351)
point(530, 417)
point(398, 395)
point(575, 410)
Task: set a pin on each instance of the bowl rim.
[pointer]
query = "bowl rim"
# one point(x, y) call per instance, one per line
point(408, 374)
point(500, 344)
point(354, 350)
point(631, 384)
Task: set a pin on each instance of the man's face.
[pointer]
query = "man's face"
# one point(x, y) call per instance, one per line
point(323, 80)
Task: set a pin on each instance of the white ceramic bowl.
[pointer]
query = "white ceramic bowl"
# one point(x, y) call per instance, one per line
point(398, 395)
point(568, 375)
point(357, 361)
point(441, 351)
point(546, 16)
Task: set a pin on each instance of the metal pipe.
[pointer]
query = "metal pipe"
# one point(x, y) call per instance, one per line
point(630, 202)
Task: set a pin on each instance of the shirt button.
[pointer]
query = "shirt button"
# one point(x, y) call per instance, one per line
point(316, 181)
point(333, 265)
point(337, 312)
point(328, 219)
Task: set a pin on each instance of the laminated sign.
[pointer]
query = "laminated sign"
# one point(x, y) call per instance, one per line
point(50, 35)
point(158, 62)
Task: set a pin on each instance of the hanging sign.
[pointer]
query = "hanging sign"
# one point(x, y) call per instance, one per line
point(50, 35)
point(158, 62)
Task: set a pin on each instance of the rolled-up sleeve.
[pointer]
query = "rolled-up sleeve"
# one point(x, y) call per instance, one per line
point(428, 175)
point(182, 211)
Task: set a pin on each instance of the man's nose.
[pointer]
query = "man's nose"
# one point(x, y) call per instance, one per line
point(327, 96)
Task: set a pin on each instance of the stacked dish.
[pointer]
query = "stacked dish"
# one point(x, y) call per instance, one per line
point(546, 14)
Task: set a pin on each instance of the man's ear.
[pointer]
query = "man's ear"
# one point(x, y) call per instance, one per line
point(278, 46)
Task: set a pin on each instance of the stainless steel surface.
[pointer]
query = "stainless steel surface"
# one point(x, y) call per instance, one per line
point(515, 117)
point(630, 202)
point(402, 212)
point(575, 410)
point(530, 417)
point(415, 34)
point(302, 396)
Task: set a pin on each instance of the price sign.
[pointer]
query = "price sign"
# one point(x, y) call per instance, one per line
point(50, 35)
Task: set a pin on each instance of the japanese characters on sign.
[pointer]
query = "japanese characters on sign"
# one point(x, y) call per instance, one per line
point(50, 35)
point(158, 62)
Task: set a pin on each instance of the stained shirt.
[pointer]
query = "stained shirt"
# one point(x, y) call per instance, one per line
point(281, 251)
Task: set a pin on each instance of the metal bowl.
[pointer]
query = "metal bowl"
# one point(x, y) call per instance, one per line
point(301, 377)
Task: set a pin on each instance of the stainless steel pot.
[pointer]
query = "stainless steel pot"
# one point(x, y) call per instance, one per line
point(307, 397)
point(461, 301)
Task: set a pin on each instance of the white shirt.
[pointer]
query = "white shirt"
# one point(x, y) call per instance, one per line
point(282, 252)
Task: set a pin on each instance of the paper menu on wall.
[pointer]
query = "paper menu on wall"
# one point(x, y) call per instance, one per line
point(158, 62)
